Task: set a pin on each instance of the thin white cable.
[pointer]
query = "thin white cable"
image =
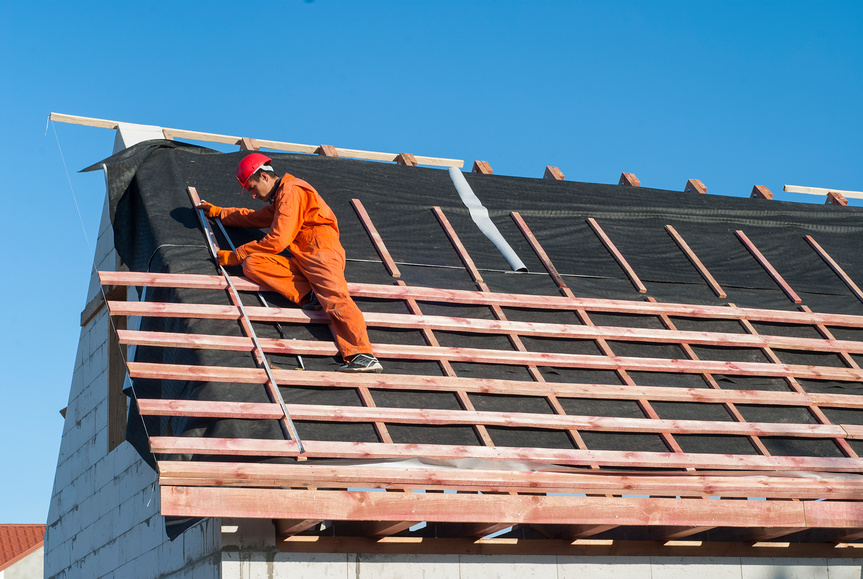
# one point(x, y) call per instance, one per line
point(93, 267)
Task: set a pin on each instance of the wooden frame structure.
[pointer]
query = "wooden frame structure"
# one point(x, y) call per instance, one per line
point(573, 497)
point(563, 500)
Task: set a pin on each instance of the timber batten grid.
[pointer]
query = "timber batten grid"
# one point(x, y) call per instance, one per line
point(557, 498)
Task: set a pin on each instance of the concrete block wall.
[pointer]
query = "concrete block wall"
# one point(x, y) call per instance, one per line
point(247, 564)
point(104, 519)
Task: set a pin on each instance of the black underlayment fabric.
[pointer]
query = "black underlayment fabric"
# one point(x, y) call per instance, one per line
point(156, 230)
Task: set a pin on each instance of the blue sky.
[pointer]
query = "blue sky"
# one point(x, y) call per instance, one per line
point(733, 93)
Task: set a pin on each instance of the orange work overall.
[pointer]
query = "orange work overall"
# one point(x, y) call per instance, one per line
point(302, 222)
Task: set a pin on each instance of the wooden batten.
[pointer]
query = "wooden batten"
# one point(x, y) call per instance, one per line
point(247, 144)
point(406, 159)
point(695, 186)
point(481, 167)
point(836, 198)
point(552, 173)
point(629, 179)
point(761, 192)
point(327, 151)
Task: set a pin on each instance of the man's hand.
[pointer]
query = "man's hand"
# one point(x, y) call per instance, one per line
point(210, 210)
point(226, 257)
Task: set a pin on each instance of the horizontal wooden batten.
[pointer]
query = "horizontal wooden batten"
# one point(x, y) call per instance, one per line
point(489, 386)
point(491, 508)
point(573, 457)
point(262, 143)
point(193, 408)
point(466, 297)
point(446, 477)
point(482, 326)
point(415, 545)
point(484, 356)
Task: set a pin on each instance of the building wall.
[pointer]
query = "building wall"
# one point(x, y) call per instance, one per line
point(27, 568)
point(104, 519)
point(275, 565)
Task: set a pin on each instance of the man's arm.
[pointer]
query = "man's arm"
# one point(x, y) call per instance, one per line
point(285, 222)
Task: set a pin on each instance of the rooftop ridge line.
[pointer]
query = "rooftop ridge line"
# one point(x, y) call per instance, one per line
point(171, 133)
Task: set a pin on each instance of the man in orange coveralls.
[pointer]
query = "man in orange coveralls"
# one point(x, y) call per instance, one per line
point(301, 222)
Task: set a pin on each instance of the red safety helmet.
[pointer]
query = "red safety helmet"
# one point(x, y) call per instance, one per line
point(248, 166)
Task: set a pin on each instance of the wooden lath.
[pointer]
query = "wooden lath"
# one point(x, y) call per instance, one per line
point(676, 481)
point(255, 144)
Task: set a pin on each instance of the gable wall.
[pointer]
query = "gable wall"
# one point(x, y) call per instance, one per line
point(104, 519)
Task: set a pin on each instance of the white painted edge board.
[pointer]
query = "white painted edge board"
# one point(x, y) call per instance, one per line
point(277, 145)
point(822, 191)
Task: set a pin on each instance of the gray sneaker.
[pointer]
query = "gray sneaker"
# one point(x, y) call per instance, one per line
point(313, 304)
point(362, 363)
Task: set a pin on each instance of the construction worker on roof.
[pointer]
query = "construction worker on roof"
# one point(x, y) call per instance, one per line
point(313, 276)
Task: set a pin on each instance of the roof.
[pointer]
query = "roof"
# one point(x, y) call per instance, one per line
point(662, 350)
point(18, 541)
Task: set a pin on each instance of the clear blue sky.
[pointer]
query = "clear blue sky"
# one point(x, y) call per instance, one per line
point(732, 93)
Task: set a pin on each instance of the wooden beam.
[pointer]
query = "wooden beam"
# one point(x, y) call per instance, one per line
point(481, 167)
point(489, 386)
point(262, 143)
point(578, 548)
point(575, 457)
point(836, 198)
point(480, 530)
point(771, 271)
point(552, 173)
point(247, 144)
point(482, 326)
point(822, 191)
point(327, 151)
point(612, 249)
point(488, 479)
point(457, 244)
point(693, 259)
point(538, 250)
point(504, 300)
point(95, 305)
point(761, 192)
point(289, 527)
point(455, 354)
point(837, 269)
point(629, 179)
point(490, 508)
point(406, 159)
point(377, 241)
point(323, 413)
point(695, 186)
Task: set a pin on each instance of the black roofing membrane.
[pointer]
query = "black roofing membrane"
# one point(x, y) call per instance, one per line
point(156, 230)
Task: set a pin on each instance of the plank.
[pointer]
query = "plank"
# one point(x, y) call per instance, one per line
point(822, 191)
point(171, 133)
point(538, 249)
point(618, 257)
point(574, 457)
point(771, 271)
point(457, 244)
point(846, 279)
point(324, 413)
point(693, 259)
point(504, 300)
point(484, 356)
point(488, 479)
point(490, 386)
point(484, 508)
point(414, 546)
point(483, 326)
point(377, 241)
